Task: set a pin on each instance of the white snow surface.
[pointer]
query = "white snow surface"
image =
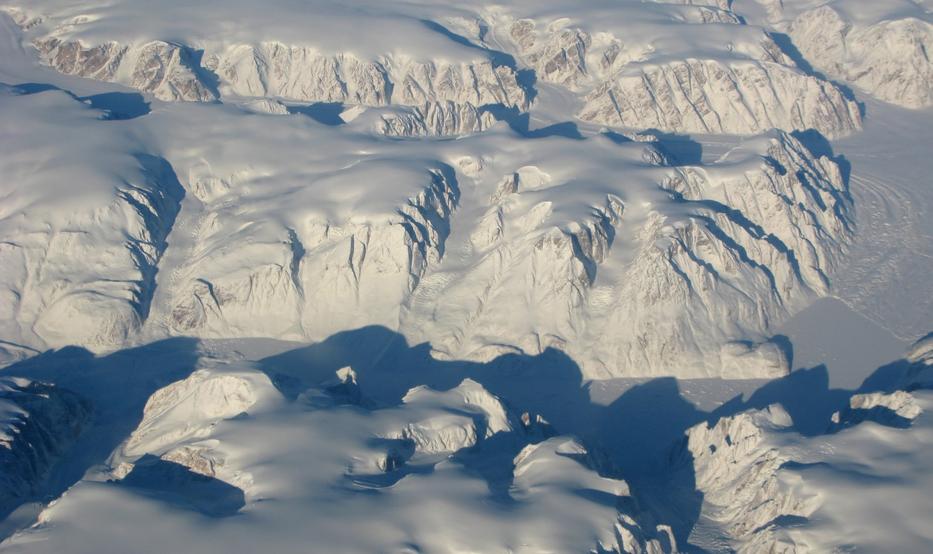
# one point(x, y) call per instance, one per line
point(224, 443)
point(677, 62)
point(81, 240)
point(291, 229)
point(859, 489)
point(527, 276)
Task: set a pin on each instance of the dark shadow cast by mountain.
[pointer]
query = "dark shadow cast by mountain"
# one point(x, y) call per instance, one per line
point(177, 485)
point(787, 46)
point(520, 122)
point(637, 436)
point(116, 386)
point(640, 424)
point(166, 178)
point(526, 78)
point(818, 145)
point(615, 137)
point(115, 105)
point(33, 88)
point(806, 396)
point(641, 432)
point(119, 105)
point(325, 113)
point(680, 150)
point(194, 60)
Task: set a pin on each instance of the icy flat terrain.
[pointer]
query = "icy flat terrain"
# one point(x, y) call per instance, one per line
point(611, 276)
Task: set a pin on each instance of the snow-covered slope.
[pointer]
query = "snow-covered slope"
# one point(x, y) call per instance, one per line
point(682, 267)
point(84, 221)
point(707, 96)
point(545, 215)
point(223, 443)
point(428, 277)
point(889, 59)
point(598, 264)
point(632, 65)
point(768, 489)
point(879, 47)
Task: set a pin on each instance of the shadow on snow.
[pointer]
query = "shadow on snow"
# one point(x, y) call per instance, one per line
point(632, 437)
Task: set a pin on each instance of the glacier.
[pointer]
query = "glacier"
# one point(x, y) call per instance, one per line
point(620, 276)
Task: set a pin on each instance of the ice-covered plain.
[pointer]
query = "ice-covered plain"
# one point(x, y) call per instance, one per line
point(520, 276)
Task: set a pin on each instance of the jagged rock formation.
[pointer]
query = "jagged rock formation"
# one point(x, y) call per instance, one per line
point(178, 422)
point(798, 201)
point(753, 87)
point(759, 89)
point(187, 408)
point(38, 422)
point(314, 280)
point(567, 56)
point(710, 255)
point(578, 59)
point(897, 408)
point(526, 257)
point(737, 467)
point(721, 4)
point(436, 119)
point(765, 233)
point(171, 71)
point(82, 237)
point(889, 59)
point(191, 451)
point(767, 488)
point(710, 96)
point(166, 70)
point(479, 415)
point(683, 267)
point(304, 74)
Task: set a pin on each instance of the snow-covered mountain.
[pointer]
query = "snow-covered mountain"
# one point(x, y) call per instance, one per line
point(882, 49)
point(771, 489)
point(527, 276)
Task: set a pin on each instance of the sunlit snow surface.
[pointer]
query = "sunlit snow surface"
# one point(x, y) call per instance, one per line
point(523, 277)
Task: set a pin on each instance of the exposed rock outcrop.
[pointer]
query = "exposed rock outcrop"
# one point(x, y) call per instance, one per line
point(304, 74)
point(889, 59)
point(711, 96)
point(166, 70)
point(38, 423)
point(313, 280)
point(737, 468)
point(436, 119)
point(82, 238)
